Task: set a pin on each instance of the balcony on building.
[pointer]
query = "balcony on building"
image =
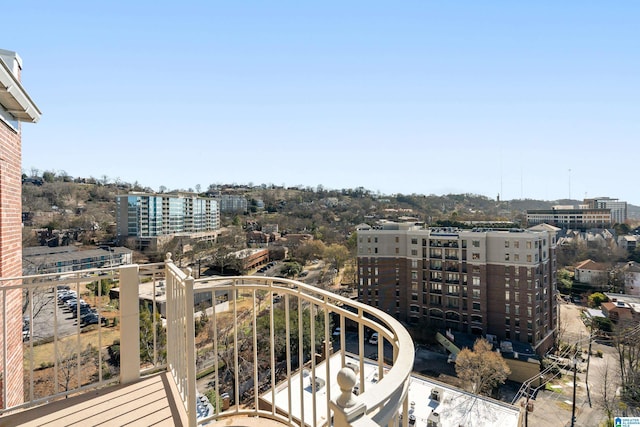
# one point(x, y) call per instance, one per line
point(243, 350)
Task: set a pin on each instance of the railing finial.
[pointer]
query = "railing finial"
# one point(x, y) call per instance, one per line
point(346, 380)
point(189, 271)
point(167, 257)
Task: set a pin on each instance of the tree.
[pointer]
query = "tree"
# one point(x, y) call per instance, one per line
point(337, 255)
point(626, 341)
point(481, 367)
point(565, 279)
point(597, 298)
point(606, 396)
point(147, 333)
point(310, 250)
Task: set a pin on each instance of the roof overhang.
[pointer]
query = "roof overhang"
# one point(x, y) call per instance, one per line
point(14, 99)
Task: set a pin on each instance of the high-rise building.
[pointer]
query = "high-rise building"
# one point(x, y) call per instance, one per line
point(480, 281)
point(15, 107)
point(617, 207)
point(146, 217)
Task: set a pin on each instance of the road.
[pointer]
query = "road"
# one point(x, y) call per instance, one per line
point(553, 406)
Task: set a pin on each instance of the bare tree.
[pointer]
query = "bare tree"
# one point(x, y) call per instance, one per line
point(481, 367)
point(607, 397)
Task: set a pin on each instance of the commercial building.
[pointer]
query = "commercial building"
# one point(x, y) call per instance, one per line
point(146, 218)
point(64, 259)
point(618, 209)
point(479, 281)
point(15, 107)
point(571, 218)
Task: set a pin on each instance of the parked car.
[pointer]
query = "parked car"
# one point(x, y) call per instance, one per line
point(374, 338)
point(84, 309)
point(94, 319)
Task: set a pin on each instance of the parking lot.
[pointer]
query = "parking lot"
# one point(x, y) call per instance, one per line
point(50, 317)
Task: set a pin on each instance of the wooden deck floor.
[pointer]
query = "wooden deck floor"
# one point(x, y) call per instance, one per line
point(152, 401)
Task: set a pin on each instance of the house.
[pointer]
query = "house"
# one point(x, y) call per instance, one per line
point(592, 273)
point(629, 274)
point(618, 311)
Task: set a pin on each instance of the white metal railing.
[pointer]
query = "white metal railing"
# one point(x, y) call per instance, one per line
point(268, 347)
point(62, 352)
point(260, 380)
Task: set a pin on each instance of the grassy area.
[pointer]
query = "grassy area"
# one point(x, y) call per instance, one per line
point(44, 354)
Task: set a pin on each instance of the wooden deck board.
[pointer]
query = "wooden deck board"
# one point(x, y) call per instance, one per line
point(152, 401)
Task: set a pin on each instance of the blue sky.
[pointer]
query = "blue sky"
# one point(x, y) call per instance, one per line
point(527, 99)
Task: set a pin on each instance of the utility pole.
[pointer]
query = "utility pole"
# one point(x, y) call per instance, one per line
point(573, 406)
point(586, 378)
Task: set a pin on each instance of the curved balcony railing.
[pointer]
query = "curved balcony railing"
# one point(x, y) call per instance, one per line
point(256, 346)
point(283, 354)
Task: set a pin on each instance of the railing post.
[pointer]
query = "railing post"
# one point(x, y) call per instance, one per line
point(129, 324)
point(346, 407)
point(191, 349)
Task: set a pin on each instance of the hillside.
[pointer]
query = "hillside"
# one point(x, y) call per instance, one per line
point(87, 206)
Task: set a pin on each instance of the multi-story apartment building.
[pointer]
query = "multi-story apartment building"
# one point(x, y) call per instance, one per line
point(232, 203)
point(480, 281)
point(618, 208)
point(15, 107)
point(147, 217)
point(570, 217)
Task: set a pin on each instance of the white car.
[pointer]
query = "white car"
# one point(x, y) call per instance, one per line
point(374, 338)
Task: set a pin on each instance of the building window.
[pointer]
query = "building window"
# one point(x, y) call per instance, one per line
point(506, 295)
point(414, 241)
point(476, 293)
point(507, 309)
point(475, 255)
point(516, 244)
point(529, 310)
point(398, 240)
point(506, 243)
point(414, 263)
point(476, 306)
point(516, 309)
point(475, 281)
point(414, 252)
point(414, 275)
point(506, 257)
point(507, 321)
point(475, 243)
point(528, 257)
point(528, 244)
point(516, 257)
point(397, 250)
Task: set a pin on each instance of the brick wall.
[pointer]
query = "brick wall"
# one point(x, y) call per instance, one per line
point(11, 261)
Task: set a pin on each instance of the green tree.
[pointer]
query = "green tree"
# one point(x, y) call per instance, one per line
point(481, 367)
point(147, 333)
point(597, 298)
point(565, 279)
point(291, 269)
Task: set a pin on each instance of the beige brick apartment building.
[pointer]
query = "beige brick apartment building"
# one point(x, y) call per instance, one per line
point(481, 281)
point(15, 107)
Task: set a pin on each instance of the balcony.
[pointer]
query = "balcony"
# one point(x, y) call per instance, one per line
point(192, 352)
